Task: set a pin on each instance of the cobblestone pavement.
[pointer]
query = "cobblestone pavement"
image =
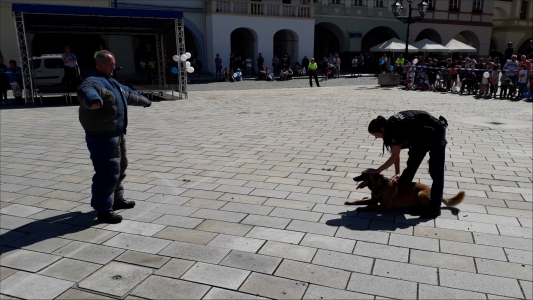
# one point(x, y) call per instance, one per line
point(240, 195)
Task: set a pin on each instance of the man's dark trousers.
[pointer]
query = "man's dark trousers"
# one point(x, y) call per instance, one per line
point(70, 78)
point(311, 75)
point(108, 155)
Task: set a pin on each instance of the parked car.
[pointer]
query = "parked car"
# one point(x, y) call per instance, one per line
point(48, 69)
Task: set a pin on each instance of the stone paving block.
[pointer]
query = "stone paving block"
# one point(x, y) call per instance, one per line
point(527, 288)
point(202, 194)
point(236, 242)
point(167, 190)
point(115, 279)
point(399, 228)
point(525, 222)
point(70, 269)
point(89, 252)
point(137, 243)
point(328, 242)
point(74, 294)
point(308, 197)
point(504, 269)
point(12, 222)
point(473, 250)
point(218, 215)
point(26, 285)
point(387, 287)
point(243, 198)
point(168, 199)
point(20, 210)
point(312, 227)
point(521, 232)
point(442, 260)
point(405, 271)
point(414, 242)
point(175, 210)
point(36, 191)
point(234, 189)
point(247, 208)
point(8, 196)
point(480, 283)
point(466, 226)
point(45, 228)
point(135, 227)
point(313, 273)
point(89, 235)
point(488, 218)
point(66, 195)
point(381, 251)
point(269, 193)
point(426, 291)
point(216, 275)
point(37, 242)
point(224, 227)
point(510, 212)
point(343, 261)
point(288, 251)
point(56, 204)
point(175, 268)
point(266, 221)
point(218, 293)
point(519, 256)
point(178, 221)
point(204, 203)
point(322, 292)
point(186, 235)
point(363, 235)
point(28, 260)
point(157, 287)
point(504, 241)
point(273, 234)
point(273, 287)
point(143, 259)
point(443, 234)
point(6, 272)
point(194, 252)
point(251, 261)
point(295, 214)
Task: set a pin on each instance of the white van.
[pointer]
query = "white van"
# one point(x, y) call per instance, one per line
point(48, 69)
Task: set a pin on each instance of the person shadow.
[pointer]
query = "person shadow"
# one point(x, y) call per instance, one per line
point(44, 235)
point(393, 220)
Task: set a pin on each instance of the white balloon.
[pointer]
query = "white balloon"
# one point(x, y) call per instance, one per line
point(183, 57)
point(188, 55)
point(484, 80)
point(190, 69)
point(415, 61)
point(486, 75)
point(176, 58)
point(187, 64)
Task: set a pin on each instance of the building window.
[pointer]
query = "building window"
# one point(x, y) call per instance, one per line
point(358, 3)
point(454, 5)
point(523, 10)
point(477, 6)
point(336, 1)
point(431, 4)
point(379, 3)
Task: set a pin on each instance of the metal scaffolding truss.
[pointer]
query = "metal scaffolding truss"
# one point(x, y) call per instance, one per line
point(180, 45)
point(27, 81)
point(40, 18)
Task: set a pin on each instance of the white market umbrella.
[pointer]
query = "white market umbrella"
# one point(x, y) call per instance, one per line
point(426, 45)
point(456, 46)
point(393, 45)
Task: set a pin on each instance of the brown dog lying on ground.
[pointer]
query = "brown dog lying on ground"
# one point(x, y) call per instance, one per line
point(388, 194)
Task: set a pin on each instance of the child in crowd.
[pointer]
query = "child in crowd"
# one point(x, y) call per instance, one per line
point(494, 77)
point(511, 88)
point(503, 85)
point(522, 81)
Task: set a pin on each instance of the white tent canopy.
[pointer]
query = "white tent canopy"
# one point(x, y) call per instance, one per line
point(456, 46)
point(393, 45)
point(426, 45)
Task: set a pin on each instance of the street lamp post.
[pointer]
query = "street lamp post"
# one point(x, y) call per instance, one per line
point(397, 11)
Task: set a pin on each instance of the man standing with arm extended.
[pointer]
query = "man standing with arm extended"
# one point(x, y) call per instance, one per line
point(312, 72)
point(103, 114)
point(69, 61)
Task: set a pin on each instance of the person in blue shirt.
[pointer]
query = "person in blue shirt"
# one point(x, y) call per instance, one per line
point(69, 60)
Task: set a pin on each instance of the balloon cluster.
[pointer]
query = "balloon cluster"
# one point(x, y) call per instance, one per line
point(184, 58)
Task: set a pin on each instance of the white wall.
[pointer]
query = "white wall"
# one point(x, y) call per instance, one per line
point(219, 28)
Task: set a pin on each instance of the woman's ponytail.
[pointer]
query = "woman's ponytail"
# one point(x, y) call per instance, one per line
point(376, 124)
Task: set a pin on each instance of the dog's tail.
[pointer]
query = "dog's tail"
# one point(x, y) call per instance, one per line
point(454, 200)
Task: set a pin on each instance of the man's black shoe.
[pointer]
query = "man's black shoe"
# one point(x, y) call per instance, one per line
point(430, 213)
point(124, 205)
point(109, 217)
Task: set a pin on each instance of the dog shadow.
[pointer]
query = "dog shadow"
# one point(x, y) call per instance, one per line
point(393, 220)
point(46, 232)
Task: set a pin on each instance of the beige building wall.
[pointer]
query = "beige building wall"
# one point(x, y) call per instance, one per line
point(508, 27)
point(8, 37)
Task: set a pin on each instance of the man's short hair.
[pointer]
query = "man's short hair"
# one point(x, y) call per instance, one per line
point(513, 55)
point(102, 56)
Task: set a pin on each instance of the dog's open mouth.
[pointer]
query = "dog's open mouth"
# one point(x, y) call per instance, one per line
point(362, 184)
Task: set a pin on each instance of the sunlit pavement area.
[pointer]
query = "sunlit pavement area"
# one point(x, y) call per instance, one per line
point(240, 194)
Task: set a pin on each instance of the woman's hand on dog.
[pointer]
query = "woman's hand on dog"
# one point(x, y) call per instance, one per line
point(396, 177)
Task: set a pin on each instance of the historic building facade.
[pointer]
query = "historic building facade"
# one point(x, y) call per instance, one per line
point(513, 22)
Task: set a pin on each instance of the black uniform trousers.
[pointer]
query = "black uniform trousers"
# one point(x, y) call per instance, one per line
point(311, 75)
point(437, 152)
